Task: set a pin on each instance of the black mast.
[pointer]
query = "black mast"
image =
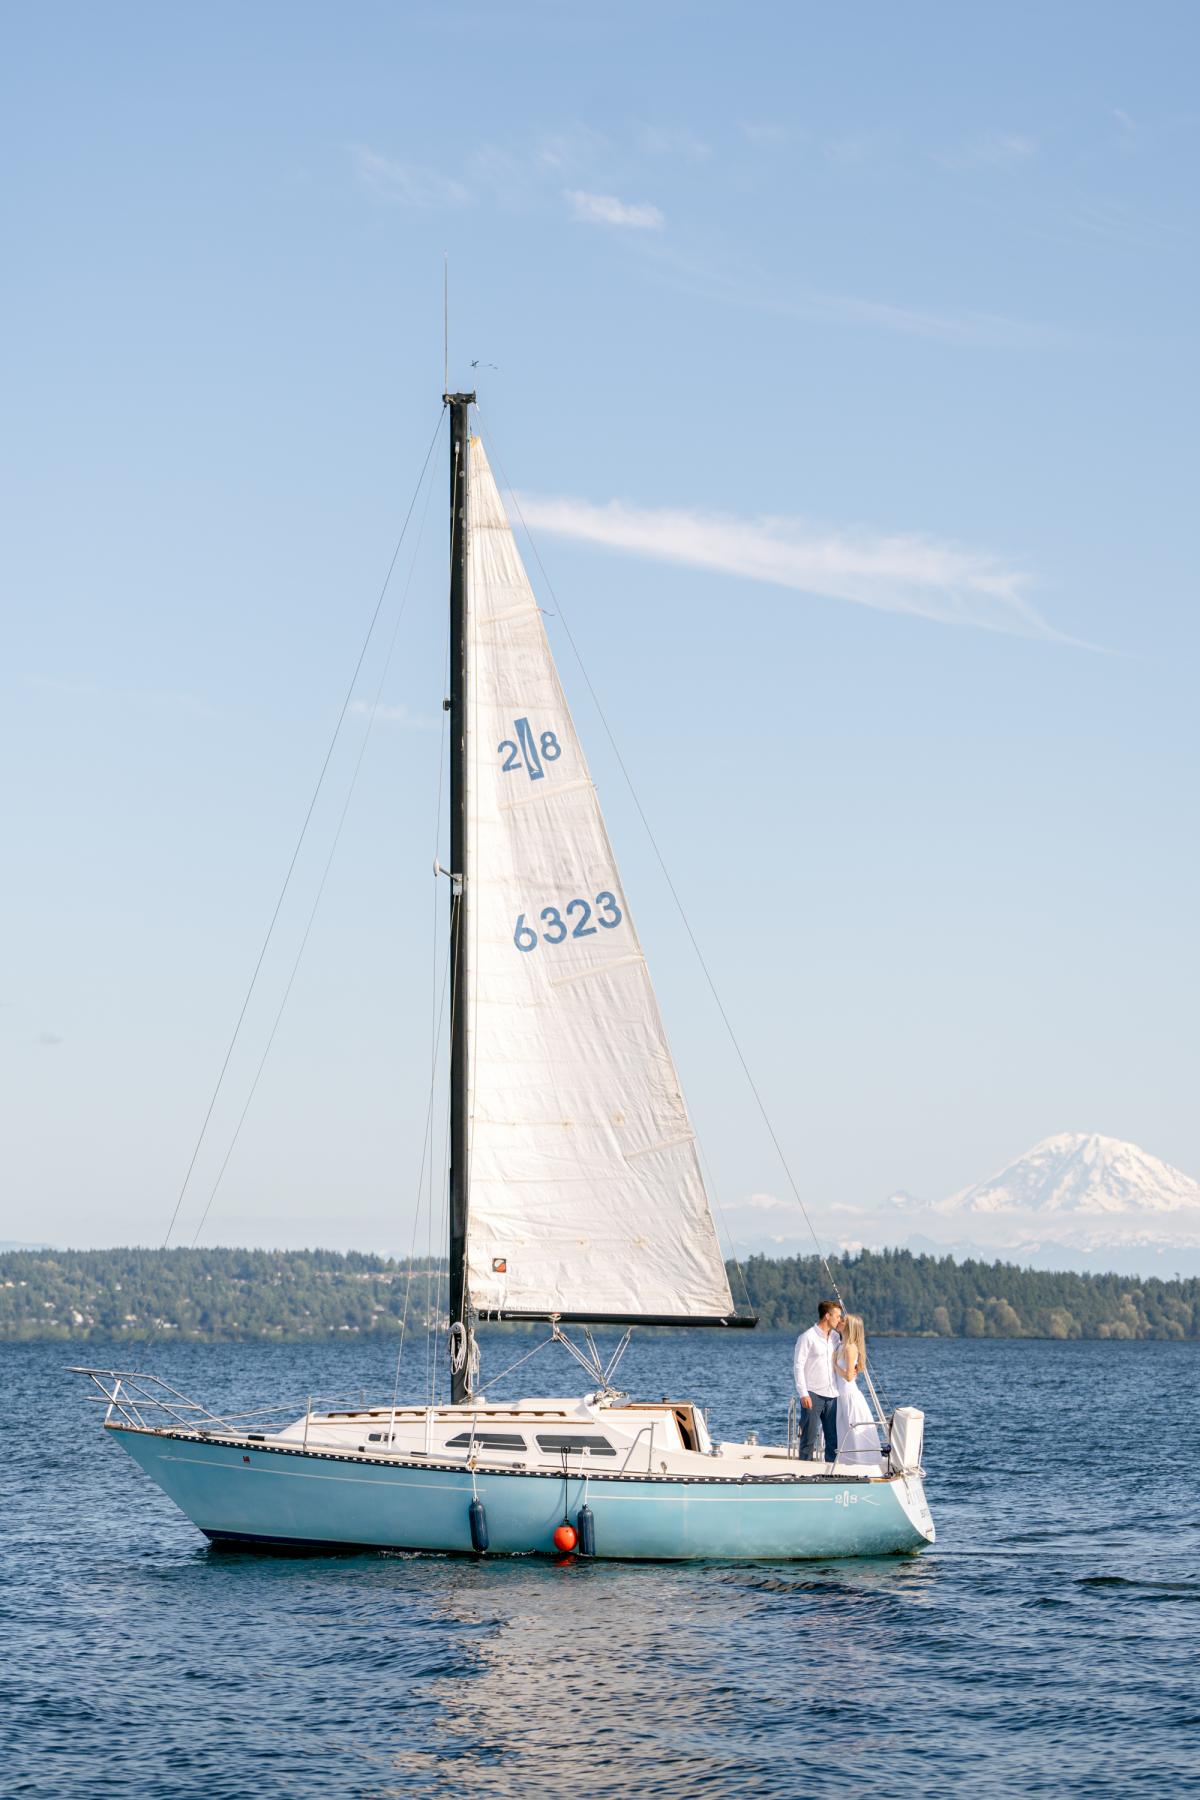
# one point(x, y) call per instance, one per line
point(461, 1337)
point(460, 428)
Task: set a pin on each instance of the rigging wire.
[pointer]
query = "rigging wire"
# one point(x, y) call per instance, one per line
point(708, 976)
point(708, 1174)
point(444, 1228)
point(443, 1234)
point(437, 1015)
point(299, 842)
point(733, 1038)
point(362, 750)
point(426, 1156)
point(515, 1365)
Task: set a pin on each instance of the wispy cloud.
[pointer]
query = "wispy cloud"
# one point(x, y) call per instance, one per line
point(606, 209)
point(518, 175)
point(965, 329)
point(894, 573)
point(968, 330)
point(765, 135)
point(392, 715)
point(852, 150)
point(407, 184)
point(525, 174)
point(1119, 224)
point(577, 146)
point(506, 179)
point(671, 140)
point(994, 150)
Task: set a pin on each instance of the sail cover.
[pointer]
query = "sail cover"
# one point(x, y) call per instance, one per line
point(585, 1191)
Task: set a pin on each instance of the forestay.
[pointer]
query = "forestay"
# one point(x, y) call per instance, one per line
point(585, 1192)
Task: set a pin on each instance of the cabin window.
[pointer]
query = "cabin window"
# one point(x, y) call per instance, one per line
point(378, 1437)
point(560, 1440)
point(486, 1440)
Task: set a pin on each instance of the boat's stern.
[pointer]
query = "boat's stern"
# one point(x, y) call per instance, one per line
point(906, 1444)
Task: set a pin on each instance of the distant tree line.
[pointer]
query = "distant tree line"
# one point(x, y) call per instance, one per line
point(901, 1294)
point(232, 1295)
point(227, 1295)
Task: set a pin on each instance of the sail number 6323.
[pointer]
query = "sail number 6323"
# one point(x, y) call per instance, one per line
point(557, 925)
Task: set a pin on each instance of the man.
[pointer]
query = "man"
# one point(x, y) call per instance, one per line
point(816, 1383)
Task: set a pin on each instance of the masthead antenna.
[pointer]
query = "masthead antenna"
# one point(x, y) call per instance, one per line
point(445, 321)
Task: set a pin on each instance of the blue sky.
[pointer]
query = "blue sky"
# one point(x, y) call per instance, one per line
point(845, 362)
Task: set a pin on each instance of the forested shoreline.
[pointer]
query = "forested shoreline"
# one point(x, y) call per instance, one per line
point(225, 1295)
point(906, 1295)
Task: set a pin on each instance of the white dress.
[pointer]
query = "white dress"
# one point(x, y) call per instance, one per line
point(857, 1434)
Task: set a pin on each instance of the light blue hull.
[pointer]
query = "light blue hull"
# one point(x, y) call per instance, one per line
point(245, 1493)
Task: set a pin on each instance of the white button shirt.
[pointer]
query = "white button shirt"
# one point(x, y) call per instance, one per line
point(813, 1365)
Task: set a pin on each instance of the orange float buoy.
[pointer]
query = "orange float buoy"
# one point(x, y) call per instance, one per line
point(565, 1538)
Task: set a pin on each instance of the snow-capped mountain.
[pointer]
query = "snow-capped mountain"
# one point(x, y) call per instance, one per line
point(1079, 1173)
point(1077, 1200)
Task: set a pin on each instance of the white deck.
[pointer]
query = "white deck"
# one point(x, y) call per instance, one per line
point(606, 1436)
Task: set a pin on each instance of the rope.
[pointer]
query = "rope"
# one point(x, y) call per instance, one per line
point(458, 1346)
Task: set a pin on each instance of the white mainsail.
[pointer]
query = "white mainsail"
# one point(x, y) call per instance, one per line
point(585, 1191)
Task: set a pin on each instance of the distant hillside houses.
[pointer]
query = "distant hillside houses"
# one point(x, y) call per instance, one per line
point(217, 1295)
point(291, 1296)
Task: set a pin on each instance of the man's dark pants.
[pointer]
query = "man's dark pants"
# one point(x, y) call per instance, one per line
point(820, 1417)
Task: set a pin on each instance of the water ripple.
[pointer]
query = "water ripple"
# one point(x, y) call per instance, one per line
point(1039, 1649)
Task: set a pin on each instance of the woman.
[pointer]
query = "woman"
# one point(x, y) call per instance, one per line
point(857, 1437)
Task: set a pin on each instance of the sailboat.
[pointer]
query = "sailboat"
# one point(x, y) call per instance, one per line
point(576, 1200)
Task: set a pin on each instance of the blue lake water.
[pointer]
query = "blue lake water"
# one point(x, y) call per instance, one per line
point(1047, 1645)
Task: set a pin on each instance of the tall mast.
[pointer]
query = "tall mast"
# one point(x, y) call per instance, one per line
point(460, 428)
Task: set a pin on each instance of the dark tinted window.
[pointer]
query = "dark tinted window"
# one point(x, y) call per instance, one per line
point(560, 1440)
point(486, 1440)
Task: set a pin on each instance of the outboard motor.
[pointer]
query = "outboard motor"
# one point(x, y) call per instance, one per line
point(907, 1440)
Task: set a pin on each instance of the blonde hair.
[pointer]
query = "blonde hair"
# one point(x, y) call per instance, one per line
point(852, 1332)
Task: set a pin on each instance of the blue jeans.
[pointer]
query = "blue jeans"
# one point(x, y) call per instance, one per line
point(820, 1417)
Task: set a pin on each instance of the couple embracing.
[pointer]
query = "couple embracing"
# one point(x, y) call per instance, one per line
point(830, 1356)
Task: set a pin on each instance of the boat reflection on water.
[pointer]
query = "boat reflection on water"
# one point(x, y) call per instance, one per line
point(606, 1678)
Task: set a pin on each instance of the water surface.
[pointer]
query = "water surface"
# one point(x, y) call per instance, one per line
point(1045, 1646)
